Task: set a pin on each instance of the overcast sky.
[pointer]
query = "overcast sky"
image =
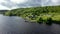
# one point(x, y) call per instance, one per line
point(12, 4)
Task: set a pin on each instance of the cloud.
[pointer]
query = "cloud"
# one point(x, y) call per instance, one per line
point(30, 3)
point(2, 1)
point(12, 4)
point(55, 1)
point(18, 1)
point(51, 2)
point(4, 8)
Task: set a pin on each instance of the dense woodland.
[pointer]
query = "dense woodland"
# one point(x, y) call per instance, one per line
point(37, 14)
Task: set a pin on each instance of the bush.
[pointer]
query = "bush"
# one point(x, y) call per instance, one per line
point(40, 20)
point(49, 21)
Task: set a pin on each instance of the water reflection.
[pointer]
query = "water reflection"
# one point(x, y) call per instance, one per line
point(16, 25)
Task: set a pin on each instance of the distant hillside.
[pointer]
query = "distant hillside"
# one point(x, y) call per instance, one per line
point(3, 11)
point(34, 10)
point(34, 13)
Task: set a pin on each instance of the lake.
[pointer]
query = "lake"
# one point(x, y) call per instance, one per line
point(17, 25)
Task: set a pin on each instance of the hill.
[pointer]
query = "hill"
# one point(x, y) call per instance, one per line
point(3, 11)
point(37, 14)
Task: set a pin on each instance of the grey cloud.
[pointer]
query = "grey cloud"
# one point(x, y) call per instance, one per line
point(26, 4)
point(29, 3)
point(8, 4)
point(51, 3)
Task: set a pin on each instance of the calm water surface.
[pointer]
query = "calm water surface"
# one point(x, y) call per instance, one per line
point(16, 25)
